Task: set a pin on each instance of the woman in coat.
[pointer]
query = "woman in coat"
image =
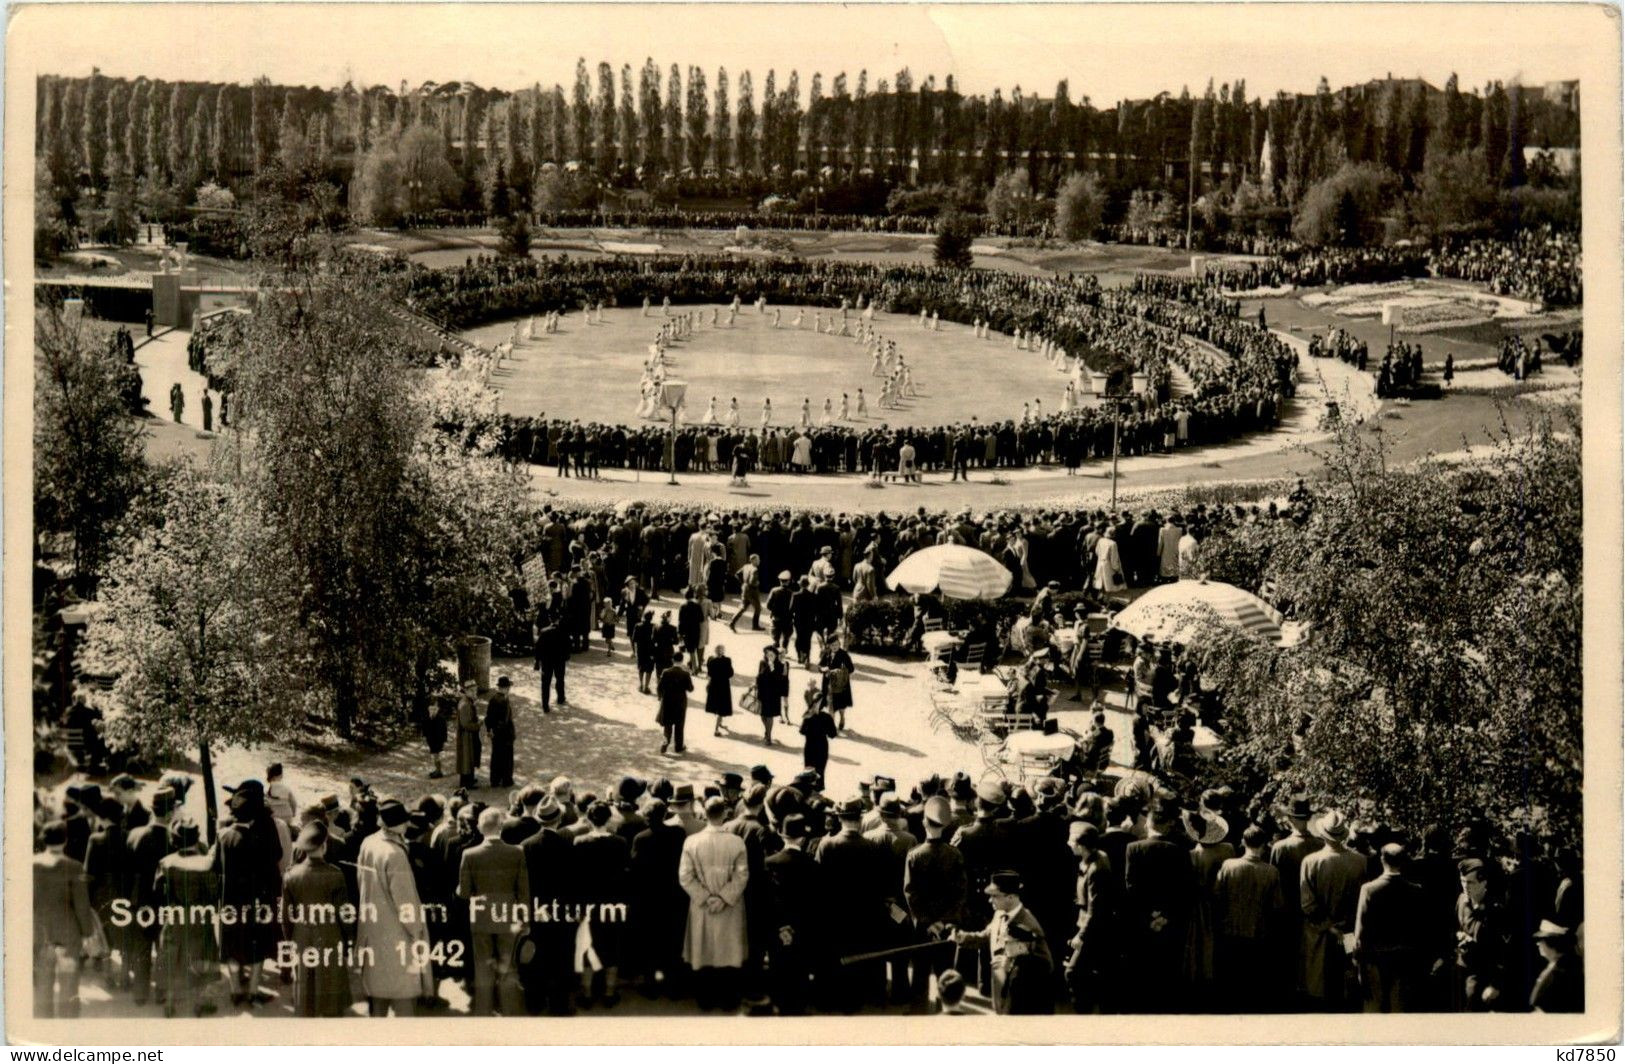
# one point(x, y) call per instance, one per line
point(836, 665)
point(772, 688)
point(719, 699)
point(643, 649)
point(817, 728)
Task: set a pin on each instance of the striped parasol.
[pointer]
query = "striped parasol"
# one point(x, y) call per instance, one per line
point(956, 571)
point(1171, 612)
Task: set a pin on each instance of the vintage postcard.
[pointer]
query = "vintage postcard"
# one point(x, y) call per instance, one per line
point(1133, 491)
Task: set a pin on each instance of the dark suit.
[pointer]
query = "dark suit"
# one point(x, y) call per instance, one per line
point(148, 846)
point(547, 975)
point(1388, 936)
point(1159, 891)
point(62, 921)
point(796, 898)
point(673, 687)
point(934, 886)
point(492, 878)
point(662, 904)
point(856, 874)
point(499, 723)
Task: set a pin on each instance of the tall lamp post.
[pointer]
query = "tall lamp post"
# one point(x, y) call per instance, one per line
point(671, 400)
point(1120, 398)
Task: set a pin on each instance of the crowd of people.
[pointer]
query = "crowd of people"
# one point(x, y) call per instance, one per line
point(1240, 373)
point(1538, 264)
point(1066, 893)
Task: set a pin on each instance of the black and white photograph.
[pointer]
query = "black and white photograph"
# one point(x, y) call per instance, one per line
point(1119, 483)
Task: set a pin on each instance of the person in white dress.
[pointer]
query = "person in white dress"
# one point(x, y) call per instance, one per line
point(846, 408)
point(922, 317)
point(715, 313)
point(645, 306)
point(777, 312)
point(1069, 398)
point(767, 412)
point(1038, 409)
point(876, 370)
point(936, 322)
point(806, 412)
point(733, 412)
point(828, 415)
point(646, 402)
point(665, 305)
point(818, 323)
point(710, 412)
point(801, 315)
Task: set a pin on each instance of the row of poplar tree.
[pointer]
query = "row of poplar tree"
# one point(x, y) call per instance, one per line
point(94, 131)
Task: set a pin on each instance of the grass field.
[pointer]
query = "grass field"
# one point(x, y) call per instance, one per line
point(591, 372)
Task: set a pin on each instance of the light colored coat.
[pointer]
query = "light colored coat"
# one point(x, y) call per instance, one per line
point(388, 892)
point(714, 864)
point(1108, 565)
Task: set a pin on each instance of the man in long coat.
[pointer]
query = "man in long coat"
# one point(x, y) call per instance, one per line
point(492, 881)
point(1329, 888)
point(391, 917)
point(189, 957)
point(714, 870)
point(468, 735)
point(795, 899)
point(673, 688)
point(660, 910)
point(499, 722)
point(857, 874)
point(314, 891)
point(63, 920)
point(246, 856)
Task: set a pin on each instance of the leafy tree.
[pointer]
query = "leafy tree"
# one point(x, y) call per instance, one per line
point(1453, 194)
point(955, 234)
point(1010, 201)
point(745, 125)
point(196, 622)
point(1079, 206)
point(1347, 207)
point(699, 143)
point(514, 235)
point(1441, 681)
point(375, 194)
point(88, 448)
point(52, 233)
point(427, 178)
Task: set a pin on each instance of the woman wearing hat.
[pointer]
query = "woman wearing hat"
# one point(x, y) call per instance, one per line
point(719, 673)
point(817, 728)
point(188, 957)
point(836, 665)
point(772, 689)
point(643, 649)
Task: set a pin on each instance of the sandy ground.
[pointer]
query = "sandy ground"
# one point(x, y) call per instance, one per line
point(591, 370)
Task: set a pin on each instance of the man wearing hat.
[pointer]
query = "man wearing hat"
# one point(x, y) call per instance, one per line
point(468, 735)
point(1020, 958)
point(855, 873)
point(63, 919)
point(189, 960)
point(1560, 987)
point(148, 845)
point(128, 792)
point(396, 973)
point(1159, 895)
point(682, 810)
point(660, 909)
point(673, 688)
point(1287, 855)
point(988, 846)
point(1329, 883)
point(107, 869)
point(934, 886)
point(1092, 952)
point(547, 975)
point(795, 903)
point(247, 853)
point(779, 613)
point(312, 892)
point(1389, 934)
point(500, 724)
point(493, 881)
point(627, 822)
point(891, 834)
point(713, 871)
